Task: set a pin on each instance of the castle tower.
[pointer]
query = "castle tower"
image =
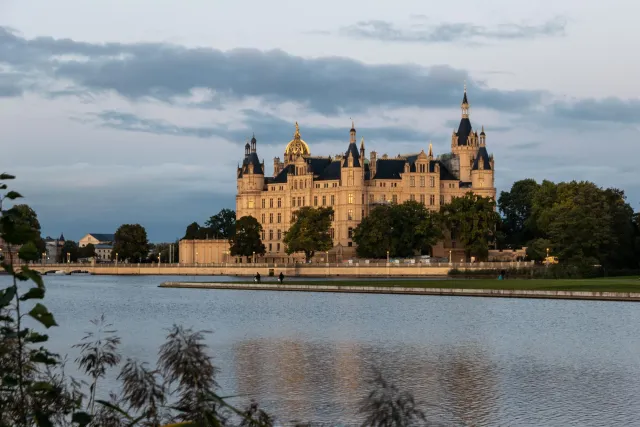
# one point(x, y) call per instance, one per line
point(482, 170)
point(464, 142)
point(250, 178)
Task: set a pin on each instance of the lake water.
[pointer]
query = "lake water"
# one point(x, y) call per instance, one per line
point(307, 356)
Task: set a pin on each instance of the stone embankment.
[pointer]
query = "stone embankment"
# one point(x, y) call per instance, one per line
point(495, 293)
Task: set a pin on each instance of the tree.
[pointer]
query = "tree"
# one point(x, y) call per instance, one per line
point(192, 232)
point(403, 230)
point(246, 239)
point(29, 252)
point(374, 234)
point(222, 225)
point(88, 251)
point(472, 219)
point(516, 206)
point(70, 247)
point(131, 243)
point(310, 231)
point(537, 249)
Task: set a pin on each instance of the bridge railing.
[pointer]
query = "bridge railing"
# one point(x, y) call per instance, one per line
point(451, 265)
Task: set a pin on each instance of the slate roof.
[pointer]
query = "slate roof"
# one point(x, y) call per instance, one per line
point(281, 178)
point(445, 174)
point(464, 130)
point(389, 168)
point(331, 172)
point(482, 154)
point(103, 247)
point(252, 158)
point(104, 237)
point(318, 164)
point(353, 149)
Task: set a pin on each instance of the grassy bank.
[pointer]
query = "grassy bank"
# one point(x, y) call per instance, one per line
point(614, 284)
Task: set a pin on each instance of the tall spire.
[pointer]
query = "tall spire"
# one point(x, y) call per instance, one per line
point(296, 135)
point(362, 143)
point(352, 133)
point(430, 153)
point(465, 103)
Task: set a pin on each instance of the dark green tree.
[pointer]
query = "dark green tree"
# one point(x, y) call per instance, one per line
point(222, 225)
point(537, 249)
point(88, 251)
point(404, 230)
point(192, 232)
point(246, 239)
point(131, 243)
point(29, 252)
point(70, 247)
point(374, 234)
point(473, 220)
point(516, 207)
point(309, 232)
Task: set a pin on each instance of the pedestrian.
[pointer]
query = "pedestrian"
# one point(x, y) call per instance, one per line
point(281, 277)
point(258, 277)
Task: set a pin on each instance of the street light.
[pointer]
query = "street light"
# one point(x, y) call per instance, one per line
point(44, 255)
point(387, 257)
point(449, 256)
point(254, 257)
point(68, 257)
point(116, 259)
point(196, 258)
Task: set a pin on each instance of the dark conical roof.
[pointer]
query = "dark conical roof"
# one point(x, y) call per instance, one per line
point(61, 237)
point(464, 98)
point(253, 139)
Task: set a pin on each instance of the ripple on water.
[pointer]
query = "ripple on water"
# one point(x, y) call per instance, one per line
point(307, 356)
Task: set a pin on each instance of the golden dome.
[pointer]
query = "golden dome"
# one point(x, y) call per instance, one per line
point(297, 146)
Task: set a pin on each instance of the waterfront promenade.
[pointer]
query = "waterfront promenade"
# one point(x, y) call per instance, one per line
point(604, 289)
point(289, 270)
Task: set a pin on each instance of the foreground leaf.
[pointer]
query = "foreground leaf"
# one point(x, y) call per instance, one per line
point(7, 296)
point(33, 275)
point(42, 315)
point(33, 293)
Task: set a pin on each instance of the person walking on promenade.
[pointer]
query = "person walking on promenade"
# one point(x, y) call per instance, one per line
point(257, 278)
point(281, 277)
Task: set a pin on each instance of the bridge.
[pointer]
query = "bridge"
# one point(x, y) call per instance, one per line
point(290, 270)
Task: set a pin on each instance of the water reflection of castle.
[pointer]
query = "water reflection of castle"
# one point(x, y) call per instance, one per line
point(315, 381)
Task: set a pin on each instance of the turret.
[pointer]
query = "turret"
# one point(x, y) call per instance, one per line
point(430, 153)
point(253, 143)
point(373, 159)
point(482, 137)
point(247, 150)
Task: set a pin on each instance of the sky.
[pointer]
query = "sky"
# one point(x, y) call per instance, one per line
point(137, 111)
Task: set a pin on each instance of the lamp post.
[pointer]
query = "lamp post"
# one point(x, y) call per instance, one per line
point(196, 258)
point(68, 257)
point(159, 259)
point(387, 257)
point(547, 258)
point(449, 256)
point(44, 255)
point(116, 259)
point(254, 257)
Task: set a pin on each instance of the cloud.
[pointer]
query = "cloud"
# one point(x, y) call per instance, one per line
point(428, 33)
point(330, 85)
point(611, 109)
point(269, 129)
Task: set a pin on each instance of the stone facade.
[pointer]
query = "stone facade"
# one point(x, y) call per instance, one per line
point(353, 185)
point(213, 251)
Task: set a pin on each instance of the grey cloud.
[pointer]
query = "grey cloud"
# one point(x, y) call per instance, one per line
point(330, 85)
point(599, 110)
point(426, 33)
point(269, 129)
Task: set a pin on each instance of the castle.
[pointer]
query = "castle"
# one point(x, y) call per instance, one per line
point(353, 185)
